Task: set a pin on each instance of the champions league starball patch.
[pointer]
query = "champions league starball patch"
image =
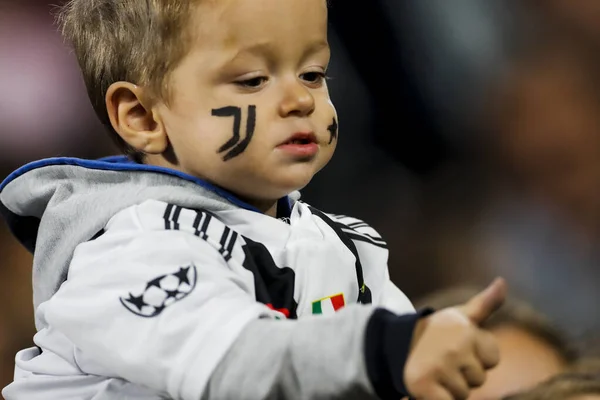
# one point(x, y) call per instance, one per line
point(161, 292)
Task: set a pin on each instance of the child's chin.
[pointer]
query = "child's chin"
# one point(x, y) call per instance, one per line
point(300, 179)
point(299, 185)
point(285, 182)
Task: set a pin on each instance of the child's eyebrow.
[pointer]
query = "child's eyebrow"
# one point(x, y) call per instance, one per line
point(316, 47)
point(257, 49)
point(267, 48)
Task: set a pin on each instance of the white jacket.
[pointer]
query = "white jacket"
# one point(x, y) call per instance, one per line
point(150, 284)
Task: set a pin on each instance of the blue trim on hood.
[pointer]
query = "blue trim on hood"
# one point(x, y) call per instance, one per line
point(122, 163)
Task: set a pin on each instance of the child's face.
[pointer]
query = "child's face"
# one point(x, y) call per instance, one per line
point(252, 80)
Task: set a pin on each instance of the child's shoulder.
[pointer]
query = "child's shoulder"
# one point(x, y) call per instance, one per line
point(156, 215)
point(155, 227)
point(352, 223)
point(359, 230)
point(355, 228)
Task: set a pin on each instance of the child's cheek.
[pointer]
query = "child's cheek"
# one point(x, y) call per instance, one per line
point(241, 133)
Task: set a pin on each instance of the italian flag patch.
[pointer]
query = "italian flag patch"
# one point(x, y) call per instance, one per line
point(328, 305)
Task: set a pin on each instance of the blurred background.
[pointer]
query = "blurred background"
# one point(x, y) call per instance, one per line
point(470, 139)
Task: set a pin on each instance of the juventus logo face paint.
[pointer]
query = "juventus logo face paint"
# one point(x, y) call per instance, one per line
point(235, 145)
point(333, 130)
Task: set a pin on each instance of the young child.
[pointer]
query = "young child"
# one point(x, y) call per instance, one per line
point(190, 269)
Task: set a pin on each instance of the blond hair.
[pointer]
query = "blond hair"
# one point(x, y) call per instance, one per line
point(135, 41)
point(562, 387)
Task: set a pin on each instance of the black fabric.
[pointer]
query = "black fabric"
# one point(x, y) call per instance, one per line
point(25, 229)
point(284, 208)
point(98, 234)
point(274, 286)
point(364, 293)
point(172, 218)
point(388, 339)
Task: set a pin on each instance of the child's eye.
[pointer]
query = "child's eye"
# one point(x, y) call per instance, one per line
point(252, 83)
point(314, 77)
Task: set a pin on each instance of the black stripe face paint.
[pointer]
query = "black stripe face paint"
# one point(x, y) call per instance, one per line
point(237, 145)
point(333, 130)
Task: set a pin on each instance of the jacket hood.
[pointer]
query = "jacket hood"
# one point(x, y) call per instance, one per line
point(53, 205)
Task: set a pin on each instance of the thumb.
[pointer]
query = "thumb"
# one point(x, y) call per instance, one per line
point(482, 305)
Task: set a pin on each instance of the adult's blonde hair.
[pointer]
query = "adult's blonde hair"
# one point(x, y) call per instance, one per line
point(137, 41)
point(568, 385)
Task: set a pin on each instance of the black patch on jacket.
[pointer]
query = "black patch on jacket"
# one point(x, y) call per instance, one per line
point(274, 286)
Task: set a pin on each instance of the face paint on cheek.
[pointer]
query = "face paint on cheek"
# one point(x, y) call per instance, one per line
point(333, 130)
point(234, 144)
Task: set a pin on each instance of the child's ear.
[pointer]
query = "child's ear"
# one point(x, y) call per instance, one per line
point(134, 120)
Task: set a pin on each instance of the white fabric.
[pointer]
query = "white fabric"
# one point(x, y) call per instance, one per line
point(96, 341)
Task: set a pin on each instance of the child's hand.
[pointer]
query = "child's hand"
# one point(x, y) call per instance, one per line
point(450, 353)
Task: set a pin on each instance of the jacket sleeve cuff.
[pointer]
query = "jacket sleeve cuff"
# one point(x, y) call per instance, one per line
point(388, 339)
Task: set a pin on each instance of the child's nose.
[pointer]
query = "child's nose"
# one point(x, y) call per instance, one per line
point(297, 100)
